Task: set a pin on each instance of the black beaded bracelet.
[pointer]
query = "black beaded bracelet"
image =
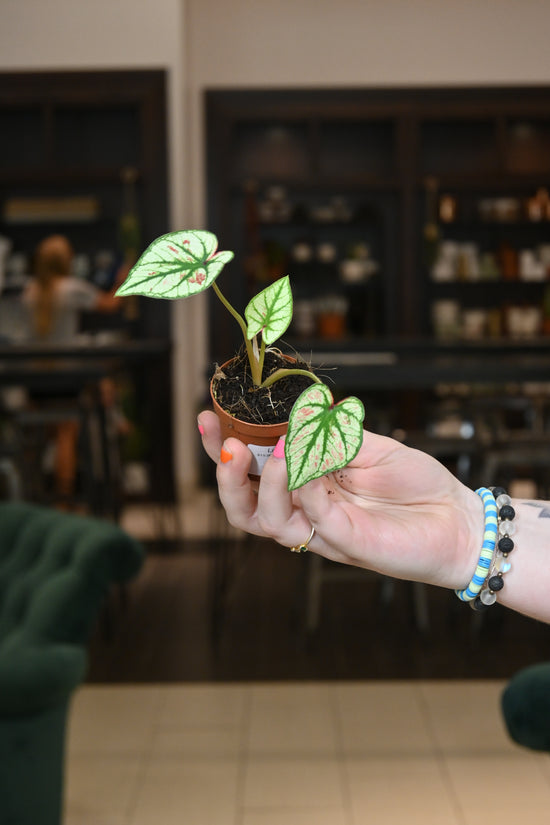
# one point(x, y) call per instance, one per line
point(500, 564)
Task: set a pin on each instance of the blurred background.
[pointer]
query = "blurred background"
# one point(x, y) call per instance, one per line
point(394, 159)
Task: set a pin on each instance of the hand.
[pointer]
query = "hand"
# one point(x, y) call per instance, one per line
point(393, 509)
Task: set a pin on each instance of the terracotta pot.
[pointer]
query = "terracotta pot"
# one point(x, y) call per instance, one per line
point(259, 438)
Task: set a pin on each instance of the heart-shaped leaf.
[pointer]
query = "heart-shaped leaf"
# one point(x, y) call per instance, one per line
point(321, 436)
point(176, 265)
point(270, 311)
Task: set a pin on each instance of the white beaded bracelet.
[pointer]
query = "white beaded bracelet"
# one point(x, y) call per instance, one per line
point(500, 564)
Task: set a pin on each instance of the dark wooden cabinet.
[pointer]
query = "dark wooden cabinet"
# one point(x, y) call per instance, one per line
point(67, 142)
point(303, 181)
point(79, 152)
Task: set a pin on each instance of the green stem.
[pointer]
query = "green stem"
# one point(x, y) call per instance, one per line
point(261, 359)
point(282, 373)
point(255, 367)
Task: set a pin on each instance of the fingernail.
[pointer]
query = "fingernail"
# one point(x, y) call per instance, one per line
point(201, 429)
point(225, 456)
point(279, 451)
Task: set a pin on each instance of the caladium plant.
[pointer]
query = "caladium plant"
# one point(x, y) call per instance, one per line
point(322, 437)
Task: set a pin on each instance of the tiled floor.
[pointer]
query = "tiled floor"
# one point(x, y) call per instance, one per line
point(318, 753)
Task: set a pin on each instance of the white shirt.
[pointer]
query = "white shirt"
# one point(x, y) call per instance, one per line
point(71, 297)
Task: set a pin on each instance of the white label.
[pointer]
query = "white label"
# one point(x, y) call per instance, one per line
point(259, 457)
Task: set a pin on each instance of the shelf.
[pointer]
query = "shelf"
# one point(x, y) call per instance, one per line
point(38, 177)
point(482, 181)
point(500, 284)
point(476, 225)
point(318, 182)
point(378, 147)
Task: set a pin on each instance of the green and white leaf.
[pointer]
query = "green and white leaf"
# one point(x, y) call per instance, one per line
point(322, 437)
point(270, 311)
point(176, 265)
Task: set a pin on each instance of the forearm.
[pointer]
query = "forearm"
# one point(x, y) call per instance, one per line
point(527, 584)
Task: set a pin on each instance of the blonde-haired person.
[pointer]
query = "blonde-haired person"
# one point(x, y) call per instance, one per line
point(54, 300)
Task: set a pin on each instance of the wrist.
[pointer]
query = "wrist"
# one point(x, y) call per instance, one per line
point(470, 541)
point(487, 579)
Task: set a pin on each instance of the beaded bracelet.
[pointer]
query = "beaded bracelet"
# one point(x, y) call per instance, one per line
point(499, 564)
point(487, 549)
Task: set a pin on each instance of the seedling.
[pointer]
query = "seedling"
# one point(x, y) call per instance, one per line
point(322, 437)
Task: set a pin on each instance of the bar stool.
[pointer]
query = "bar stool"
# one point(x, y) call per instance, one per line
point(33, 427)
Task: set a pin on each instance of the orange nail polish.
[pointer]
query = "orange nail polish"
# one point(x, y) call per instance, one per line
point(225, 456)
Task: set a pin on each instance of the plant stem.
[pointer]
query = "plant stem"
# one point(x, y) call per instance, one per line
point(261, 358)
point(282, 373)
point(255, 365)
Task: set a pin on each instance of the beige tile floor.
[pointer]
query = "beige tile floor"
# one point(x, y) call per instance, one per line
point(338, 753)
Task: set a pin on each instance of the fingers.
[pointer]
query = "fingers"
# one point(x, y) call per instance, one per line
point(209, 428)
point(278, 514)
point(236, 491)
point(233, 459)
point(267, 509)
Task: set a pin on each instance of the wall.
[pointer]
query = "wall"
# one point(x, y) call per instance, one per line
point(222, 43)
point(363, 42)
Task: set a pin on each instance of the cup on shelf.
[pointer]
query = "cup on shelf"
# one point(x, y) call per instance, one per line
point(326, 252)
point(474, 323)
point(531, 268)
point(446, 318)
point(302, 252)
point(356, 270)
point(304, 320)
point(445, 266)
point(524, 322)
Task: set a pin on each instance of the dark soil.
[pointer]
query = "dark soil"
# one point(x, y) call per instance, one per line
point(235, 392)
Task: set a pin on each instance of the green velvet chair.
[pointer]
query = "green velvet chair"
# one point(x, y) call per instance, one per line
point(526, 707)
point(56, 570)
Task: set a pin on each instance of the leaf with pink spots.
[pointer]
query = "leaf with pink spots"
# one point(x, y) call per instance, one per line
point(176, 265)
point(322, 436)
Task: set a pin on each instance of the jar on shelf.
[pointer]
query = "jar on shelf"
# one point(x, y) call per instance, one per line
point(489, 270)
point(468, 265)
point(508, 262)
point(544, 257)
point(447, 209)
point(331, 316)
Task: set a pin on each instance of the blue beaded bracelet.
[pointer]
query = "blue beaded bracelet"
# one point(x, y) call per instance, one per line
point(488, 547)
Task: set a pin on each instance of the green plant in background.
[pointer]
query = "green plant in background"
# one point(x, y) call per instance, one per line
point(322, 437)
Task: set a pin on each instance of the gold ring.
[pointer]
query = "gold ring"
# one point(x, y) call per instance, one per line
point(303, 548)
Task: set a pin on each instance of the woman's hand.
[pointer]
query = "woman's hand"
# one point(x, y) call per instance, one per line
point(392, 509)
